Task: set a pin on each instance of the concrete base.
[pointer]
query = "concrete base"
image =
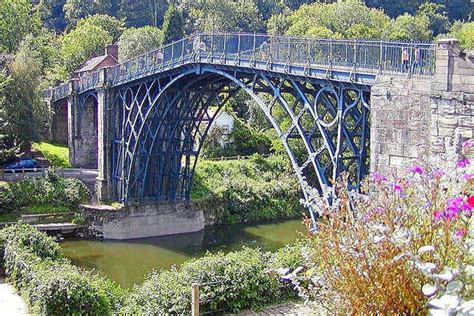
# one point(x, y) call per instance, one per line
point(147, 220)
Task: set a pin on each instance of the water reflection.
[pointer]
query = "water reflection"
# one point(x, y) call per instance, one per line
point(127, 262)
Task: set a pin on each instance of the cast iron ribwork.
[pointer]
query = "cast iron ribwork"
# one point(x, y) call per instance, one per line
point(314, 92)
point(160, 125)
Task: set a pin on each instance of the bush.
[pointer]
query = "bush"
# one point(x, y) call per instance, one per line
point(232, 282)
point(47, 190)
point(51, 284)
point(248, 190)
point(403, 248)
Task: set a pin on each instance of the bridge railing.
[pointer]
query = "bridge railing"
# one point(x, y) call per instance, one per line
point(88, 81)
point(366, 56)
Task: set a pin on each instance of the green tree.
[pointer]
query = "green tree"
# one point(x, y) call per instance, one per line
point(349, 19)
point(20, 105)
point(82, 43)
point(111, 25)
point(7, 147)
point(74, 10)
point(464, 32)
point(224, 16)
point(437, 17)
point(16, 20)
point(268, 8)
point(278, 23)
point(52, 14)
point(173, 25)
point(136, 41)
point(143, 12)
point(407, 27)
point(46, 45)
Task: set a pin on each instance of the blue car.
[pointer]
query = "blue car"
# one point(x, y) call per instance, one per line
point(23, 164)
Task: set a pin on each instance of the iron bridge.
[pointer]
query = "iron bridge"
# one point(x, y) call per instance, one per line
point(314, 92)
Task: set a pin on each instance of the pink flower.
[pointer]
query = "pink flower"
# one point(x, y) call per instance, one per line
point(460, 233)
point(468, 143)
point(438, 173)
point(468, 176)
point(463, 163)
point(377, 177)
point(379, 210)
point(416, 169)
point(437, 215)
point(397, 188)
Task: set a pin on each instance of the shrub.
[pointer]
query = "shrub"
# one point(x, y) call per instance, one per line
point(402, 248)
point(6, 196)
point(248, 190)
point(232, 281)
point(50, 283)
point(47, 190)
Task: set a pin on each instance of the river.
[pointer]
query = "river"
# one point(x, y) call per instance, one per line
point(127, 262)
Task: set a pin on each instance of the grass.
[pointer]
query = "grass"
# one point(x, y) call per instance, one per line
point(57, 154)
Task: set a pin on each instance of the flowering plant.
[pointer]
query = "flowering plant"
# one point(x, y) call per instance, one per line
point(403, 246)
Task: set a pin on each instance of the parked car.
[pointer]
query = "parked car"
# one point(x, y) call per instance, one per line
point(23, 164)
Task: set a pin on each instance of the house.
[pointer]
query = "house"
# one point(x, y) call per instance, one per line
point(225, 122)
point(109, 59)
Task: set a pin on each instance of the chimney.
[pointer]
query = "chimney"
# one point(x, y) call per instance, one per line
point(112, 50)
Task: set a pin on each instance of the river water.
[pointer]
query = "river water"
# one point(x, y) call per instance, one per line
point(127, 262)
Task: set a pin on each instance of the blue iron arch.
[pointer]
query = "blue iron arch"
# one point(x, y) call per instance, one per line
point(162, 123)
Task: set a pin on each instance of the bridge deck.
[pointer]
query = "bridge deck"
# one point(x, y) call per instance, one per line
point(357, 61)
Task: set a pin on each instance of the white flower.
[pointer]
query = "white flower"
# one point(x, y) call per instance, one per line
point(424, 249)
point(429, 289)
point(446, 302)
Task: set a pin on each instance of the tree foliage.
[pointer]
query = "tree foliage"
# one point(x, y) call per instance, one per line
point(407, 27)
point(16, 21)
point(136, 41)
point(173, 25)
point(113, 26)
point(464, 32)
point(82, 43)
point(52, 14)
point(225, 16)
point(75, 10)
point(21, 108)
point(436, 15)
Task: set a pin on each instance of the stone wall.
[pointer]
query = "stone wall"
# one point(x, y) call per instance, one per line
point(85, 136)
point(415, 118)
point(145, 220)
point(59, 123)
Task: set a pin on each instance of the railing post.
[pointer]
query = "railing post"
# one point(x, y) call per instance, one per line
point(195, 299)
point(172, 54)
point(238, 48)
point(381, 57)
point(183, 47)
point(225, 48)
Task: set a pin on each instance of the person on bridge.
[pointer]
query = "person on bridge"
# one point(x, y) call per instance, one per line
point(405, 59)
point(417, 62)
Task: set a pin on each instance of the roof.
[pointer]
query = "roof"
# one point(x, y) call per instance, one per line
point(92, 63)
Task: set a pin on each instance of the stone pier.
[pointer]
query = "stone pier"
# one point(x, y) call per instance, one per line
point(144, 220)
point(416, 118)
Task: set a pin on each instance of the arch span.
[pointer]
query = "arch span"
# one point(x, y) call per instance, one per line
point(161, 123)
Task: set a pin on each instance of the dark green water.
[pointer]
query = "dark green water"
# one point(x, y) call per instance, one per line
point(127, 262)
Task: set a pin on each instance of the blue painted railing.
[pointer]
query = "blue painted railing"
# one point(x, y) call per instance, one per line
point(265, 51)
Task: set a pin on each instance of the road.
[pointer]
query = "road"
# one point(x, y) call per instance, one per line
point(88, 176)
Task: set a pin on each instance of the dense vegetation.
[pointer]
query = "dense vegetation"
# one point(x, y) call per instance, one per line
point(46, 194)
point(53, 286)
point(50, 283)
point(249, 190)
point(42, 43)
